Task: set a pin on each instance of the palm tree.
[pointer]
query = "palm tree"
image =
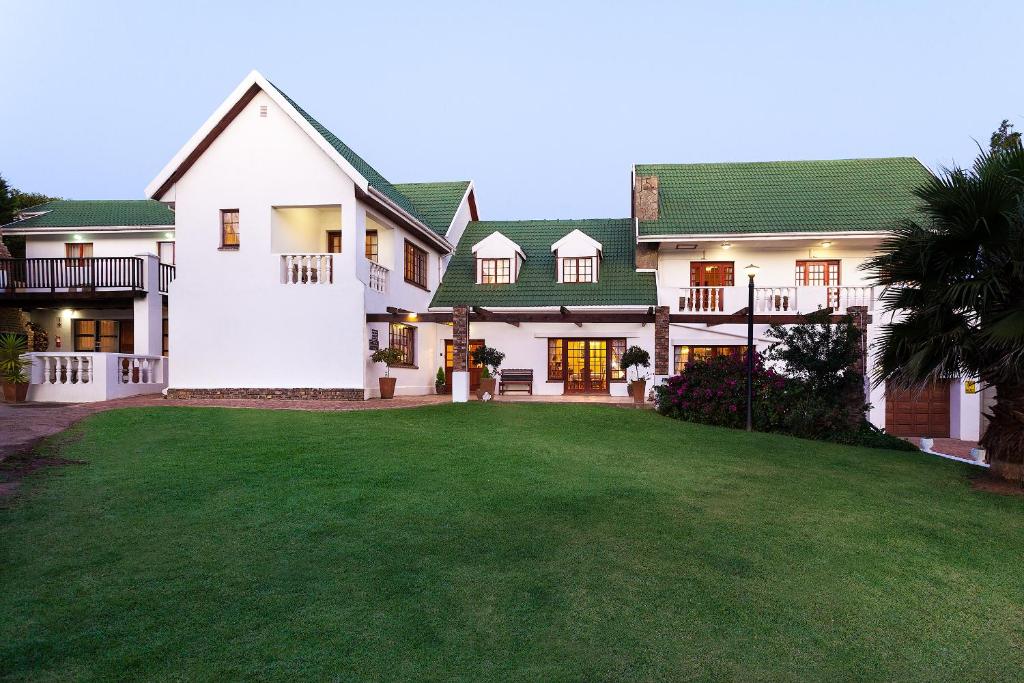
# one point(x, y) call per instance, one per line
point(954, 282)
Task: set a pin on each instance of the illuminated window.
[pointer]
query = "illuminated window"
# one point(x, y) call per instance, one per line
point(229, 229)
point(556, 367)
point(403, 338)
point(684, 355)
point(495, 271)
point(617, 348)
point(77, 252)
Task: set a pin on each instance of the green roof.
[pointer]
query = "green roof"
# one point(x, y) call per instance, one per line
point(436, 203)
point(373, 177)
point(784, 196)
point(619, 284)
point(75, 213)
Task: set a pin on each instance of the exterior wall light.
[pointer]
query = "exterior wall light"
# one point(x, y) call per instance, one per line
point(411, 316)
point(169, 235)
point(77, 236)
point(826, 244)
point(726, 245)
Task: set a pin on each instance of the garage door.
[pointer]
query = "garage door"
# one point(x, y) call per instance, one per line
point(918, 412)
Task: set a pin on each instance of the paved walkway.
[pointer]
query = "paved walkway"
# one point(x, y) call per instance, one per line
point(954, 448)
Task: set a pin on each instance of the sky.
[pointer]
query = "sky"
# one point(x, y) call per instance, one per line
point(545, 105)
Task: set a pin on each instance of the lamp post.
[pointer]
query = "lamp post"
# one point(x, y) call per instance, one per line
point(751, 271)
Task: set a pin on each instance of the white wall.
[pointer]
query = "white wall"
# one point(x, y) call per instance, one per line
point(103, 244)
point(234, 323)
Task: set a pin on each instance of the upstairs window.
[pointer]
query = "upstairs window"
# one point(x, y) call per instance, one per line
point(495, 271)
point(165, 250)
point(712, 273)
point(415, 265)
point(334, 241)
point(372, 247)
point(578, 270)
point(817, 273)
point(76, 253)
point(229, 229)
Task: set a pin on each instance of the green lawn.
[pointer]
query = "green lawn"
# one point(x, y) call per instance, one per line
point(517, 541)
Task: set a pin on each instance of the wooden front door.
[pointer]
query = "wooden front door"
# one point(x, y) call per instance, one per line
point(918, 412)
point(449, 363)
point(586, 366)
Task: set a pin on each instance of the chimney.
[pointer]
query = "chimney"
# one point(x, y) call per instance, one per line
point(645, 198)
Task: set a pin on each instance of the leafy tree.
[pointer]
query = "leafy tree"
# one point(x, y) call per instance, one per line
point(955, 282)
point(13, 200)
point(1004, 139)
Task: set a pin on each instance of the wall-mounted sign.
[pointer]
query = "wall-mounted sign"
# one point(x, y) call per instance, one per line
point(374, 340)
point(970, 387)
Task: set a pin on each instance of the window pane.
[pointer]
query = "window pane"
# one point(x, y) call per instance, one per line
point(402, 337)
point(229, 228)
point(556, 369)
point(618, 347)
point(372, 245)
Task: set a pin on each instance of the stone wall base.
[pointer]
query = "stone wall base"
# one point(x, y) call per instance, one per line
point(299, 394)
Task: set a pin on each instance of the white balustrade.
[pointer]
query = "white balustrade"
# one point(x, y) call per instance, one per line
point(702, 300)
point(378, 277)
point(842, 298)
point(775, 299)
point(83, 377)
point(307, 269)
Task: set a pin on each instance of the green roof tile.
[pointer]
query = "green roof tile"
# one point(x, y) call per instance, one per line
point(74, 213)
point(783, 196)
point(619, 283)
point(436, 203)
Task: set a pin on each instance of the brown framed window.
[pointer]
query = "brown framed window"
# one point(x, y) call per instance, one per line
point(415, 265)
point(684, 355)
point(403, 338)
point(495, 271)
point(712, 273)
point(556, 362)
point(334, 241)
point(617, 347)
point(578, 269)
point(166, 252)
point(372, 246)
point(817, 273)
point(97, 335)
point(229, 237)
point(76, 253)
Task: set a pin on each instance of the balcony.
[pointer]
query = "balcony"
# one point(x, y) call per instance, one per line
point(28, 280)
point(792, 300)
point(84, 377)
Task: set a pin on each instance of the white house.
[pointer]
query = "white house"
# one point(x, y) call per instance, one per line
point(298, 258)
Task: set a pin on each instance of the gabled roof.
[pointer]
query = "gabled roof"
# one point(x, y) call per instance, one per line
point(577, 237)
point(74, 213)
point(783, 196)
point(499, 242)
point(437, 203)
point(367, 179)
point(619, 283)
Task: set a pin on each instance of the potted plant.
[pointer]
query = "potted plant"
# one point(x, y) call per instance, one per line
point(440, 382)
point(636, 357)
point(490, 359)
point(390, 357)
point(13, 364)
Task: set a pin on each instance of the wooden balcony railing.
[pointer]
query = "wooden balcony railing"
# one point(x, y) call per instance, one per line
point(60, 274)
point(166, 276)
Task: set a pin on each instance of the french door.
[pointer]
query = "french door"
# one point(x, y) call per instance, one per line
point(586, 366)
point(474, 370)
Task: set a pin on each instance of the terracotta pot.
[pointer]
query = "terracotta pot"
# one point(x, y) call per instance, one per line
point(15, 393)
point(638, 390)
point(487, 385)
point(387, 387)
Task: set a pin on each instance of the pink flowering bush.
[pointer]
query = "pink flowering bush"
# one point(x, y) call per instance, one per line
point(715, 392)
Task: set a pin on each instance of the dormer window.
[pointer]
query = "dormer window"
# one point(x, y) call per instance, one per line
point(498, 260)
point(577, 258)
point(495, 271)
point(577, 269)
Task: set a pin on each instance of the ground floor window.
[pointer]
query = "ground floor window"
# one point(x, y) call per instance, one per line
point(617, 348)
point(614, 348)
point(104, 336)
point(556, 367)
point(403, 338)
point(684, 355)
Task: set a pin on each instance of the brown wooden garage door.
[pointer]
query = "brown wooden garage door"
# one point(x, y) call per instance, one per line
point(918, 412)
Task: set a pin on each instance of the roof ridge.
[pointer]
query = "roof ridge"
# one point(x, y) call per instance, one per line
point(781, 161)
point(555, 220)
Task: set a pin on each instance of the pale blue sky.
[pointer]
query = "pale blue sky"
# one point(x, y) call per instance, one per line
point(545, 105)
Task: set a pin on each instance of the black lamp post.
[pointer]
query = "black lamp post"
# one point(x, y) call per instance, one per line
point(751, 271)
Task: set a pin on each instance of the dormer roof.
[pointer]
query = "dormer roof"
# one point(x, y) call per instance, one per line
point(577, 243)
point(497, 245)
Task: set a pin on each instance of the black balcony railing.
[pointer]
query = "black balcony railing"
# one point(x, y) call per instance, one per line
point(69, 274)
point(166, 276)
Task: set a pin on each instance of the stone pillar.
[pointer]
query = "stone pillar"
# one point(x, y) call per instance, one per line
point(460, 354)
point(661, 350)
point(860, 321)
point(149, 310)
point(645, 198)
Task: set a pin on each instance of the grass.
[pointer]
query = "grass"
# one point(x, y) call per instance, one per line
point(529, 542)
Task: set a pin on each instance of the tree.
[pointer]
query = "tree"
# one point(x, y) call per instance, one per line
point(13, 200)
point(1004, 138)
point(954, 281)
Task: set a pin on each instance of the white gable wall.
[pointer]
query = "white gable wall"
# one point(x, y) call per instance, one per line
point(235, 324)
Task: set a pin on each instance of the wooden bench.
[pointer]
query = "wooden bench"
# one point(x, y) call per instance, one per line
point(520, 376)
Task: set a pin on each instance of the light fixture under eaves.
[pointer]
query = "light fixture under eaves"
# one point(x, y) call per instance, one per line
point(826, 244)
point(686, 246)
point(726, 245)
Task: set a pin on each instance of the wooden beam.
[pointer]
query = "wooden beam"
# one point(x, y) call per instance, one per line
point(480, 310)
point(397, 311)
point(733, 319)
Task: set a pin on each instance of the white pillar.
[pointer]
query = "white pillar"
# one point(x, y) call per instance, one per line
point(964, 411)
point(460, 387)
point(149, 310)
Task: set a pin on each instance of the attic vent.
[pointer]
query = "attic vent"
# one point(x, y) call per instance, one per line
point(263, 111)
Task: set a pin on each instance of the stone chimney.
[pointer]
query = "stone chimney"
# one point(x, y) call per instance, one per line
point(645, 198)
